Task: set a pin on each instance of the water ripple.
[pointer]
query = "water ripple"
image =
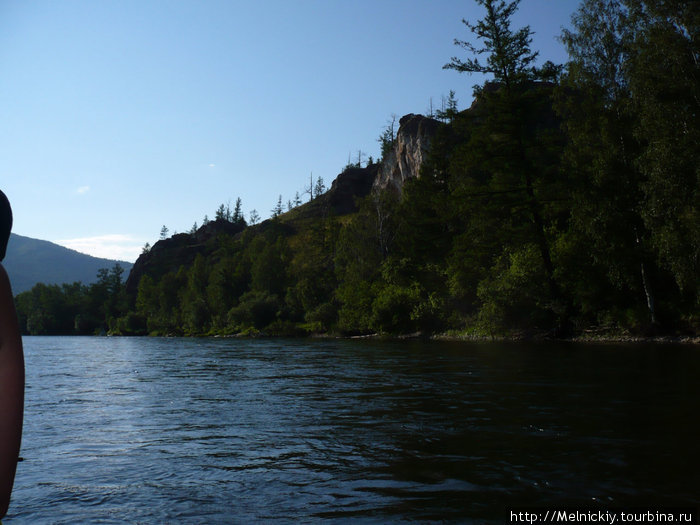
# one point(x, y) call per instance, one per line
point(136, 430)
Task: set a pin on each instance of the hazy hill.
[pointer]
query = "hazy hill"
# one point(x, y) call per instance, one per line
point(31, 261)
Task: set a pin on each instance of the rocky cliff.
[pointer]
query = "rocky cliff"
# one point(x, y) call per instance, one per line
point(179, 250)
point(411, 147)
point(352, 184)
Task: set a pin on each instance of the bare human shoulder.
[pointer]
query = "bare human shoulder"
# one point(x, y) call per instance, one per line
point(11, 391)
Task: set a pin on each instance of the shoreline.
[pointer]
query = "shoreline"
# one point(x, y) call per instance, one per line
point(620, 338)
point(455, 337)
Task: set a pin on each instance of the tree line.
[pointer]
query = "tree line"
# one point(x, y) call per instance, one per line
point(74, 308)
point(564, 200)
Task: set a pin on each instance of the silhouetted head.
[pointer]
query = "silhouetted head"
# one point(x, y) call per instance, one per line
point(5, 223)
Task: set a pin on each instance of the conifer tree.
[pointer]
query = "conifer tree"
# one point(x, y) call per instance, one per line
point(320, 187)
point(503, 176)
point(509, 56)
point(449, 108)
point(237, 211)
point(387, 138)
point(278, 209)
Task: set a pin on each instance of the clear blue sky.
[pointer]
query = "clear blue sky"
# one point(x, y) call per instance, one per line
point(120, 116)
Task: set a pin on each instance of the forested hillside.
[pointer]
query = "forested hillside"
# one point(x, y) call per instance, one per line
point(564, 200)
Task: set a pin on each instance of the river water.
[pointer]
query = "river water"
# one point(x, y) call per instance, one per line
point(148, 430)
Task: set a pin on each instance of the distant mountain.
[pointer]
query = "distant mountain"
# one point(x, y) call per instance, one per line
point(31, 261)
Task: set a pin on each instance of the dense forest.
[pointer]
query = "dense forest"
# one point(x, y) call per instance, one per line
point(564, 200)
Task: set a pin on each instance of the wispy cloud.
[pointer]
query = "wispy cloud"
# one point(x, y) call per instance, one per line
point(113, 246)
point(212, 165)
point(82, 190)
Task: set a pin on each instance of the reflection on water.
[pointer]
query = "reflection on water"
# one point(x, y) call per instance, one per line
point(137, 430)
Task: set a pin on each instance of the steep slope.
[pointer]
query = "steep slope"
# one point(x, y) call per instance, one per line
point(349, 187)
point(180, 250)
point(31, 261)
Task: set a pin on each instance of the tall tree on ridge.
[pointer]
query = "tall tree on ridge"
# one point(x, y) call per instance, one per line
point(320, 187)
point(506, 168)
point(238, 212)
point(278, 209)
point(509, 54)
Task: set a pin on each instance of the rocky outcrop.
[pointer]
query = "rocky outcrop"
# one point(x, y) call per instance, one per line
point(179, 250)
point(349, 186)
point(411, 147)
point(410, 150)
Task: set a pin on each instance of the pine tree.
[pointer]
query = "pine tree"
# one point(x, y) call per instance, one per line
point(320, 187)
point(387, 138)
point(449, 110)
point(504, 175)
point(509, 55)
point(277, 210)
point(238, 212)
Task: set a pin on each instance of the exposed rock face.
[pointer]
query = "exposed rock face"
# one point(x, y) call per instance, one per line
point(352, 184)
point(410, 150)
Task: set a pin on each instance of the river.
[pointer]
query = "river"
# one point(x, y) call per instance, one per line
point(149, 430)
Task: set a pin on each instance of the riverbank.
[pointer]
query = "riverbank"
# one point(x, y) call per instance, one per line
point(583, 338)
point(594, 335)
point(589, 336)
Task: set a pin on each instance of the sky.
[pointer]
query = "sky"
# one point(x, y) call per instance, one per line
point(118, 117)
